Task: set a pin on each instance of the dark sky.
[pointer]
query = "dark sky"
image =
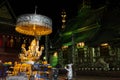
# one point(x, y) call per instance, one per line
point(49, 8)
point(53, 8)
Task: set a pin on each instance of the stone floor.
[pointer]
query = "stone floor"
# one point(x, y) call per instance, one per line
point(91, 78)
point(87, 78)
point(95, 78)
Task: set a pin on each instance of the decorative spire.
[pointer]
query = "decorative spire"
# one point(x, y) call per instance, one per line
point(35, 9)
point(63, 15)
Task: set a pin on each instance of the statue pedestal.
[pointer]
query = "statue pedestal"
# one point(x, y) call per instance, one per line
point(29, 62)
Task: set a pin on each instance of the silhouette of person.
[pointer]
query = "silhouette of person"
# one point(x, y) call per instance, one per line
point(70, 71)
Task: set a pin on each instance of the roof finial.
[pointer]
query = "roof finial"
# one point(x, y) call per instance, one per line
point(35, 9)
point(83, 3)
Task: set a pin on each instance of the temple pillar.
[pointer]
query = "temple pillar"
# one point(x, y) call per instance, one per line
point(73, 56)
point(46, 47)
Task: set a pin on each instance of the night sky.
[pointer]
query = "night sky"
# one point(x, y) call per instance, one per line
point(53, 8)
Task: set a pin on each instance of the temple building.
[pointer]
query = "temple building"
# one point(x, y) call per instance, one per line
point(89, 38)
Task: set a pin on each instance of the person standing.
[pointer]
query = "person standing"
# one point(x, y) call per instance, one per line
point(1, 70)
point(54, 74)
point(70, 71)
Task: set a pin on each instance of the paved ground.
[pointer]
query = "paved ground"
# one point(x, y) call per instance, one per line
point(95, 78)
point(87, 78)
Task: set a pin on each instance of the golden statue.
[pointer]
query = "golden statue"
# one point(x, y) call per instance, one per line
point(33, 53)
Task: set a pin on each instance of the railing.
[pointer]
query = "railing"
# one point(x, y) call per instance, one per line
point(99, 69)
point(111, 72)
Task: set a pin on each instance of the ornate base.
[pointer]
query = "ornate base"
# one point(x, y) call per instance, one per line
point(30, 62)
